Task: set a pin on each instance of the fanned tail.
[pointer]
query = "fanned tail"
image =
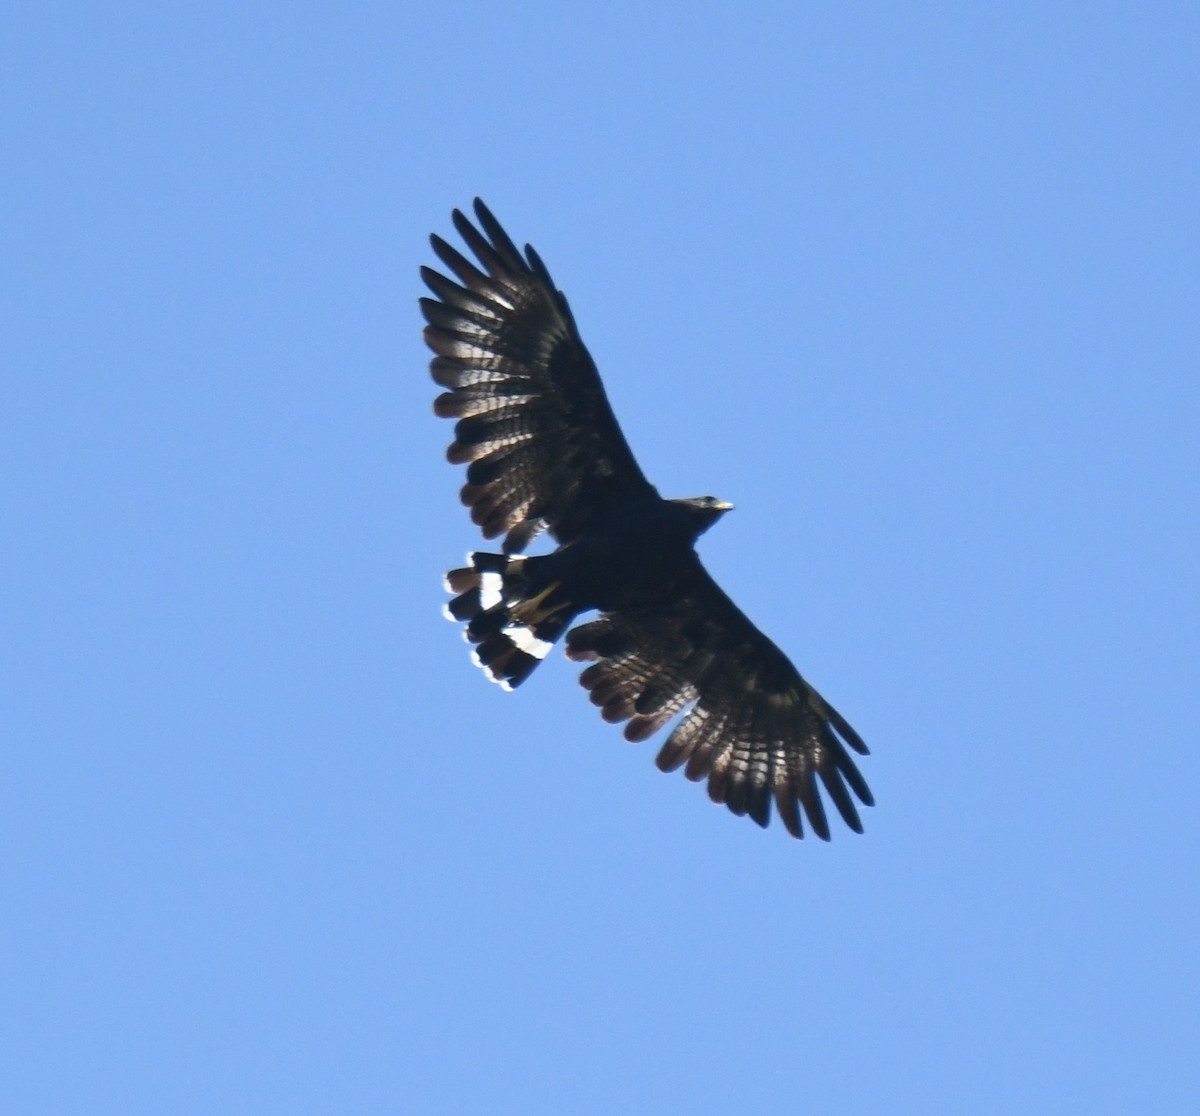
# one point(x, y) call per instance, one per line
point(513, 611)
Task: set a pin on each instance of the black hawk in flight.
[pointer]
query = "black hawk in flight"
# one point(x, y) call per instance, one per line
point(544, 452)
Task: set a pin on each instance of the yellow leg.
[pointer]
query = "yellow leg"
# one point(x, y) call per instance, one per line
point(530, 612)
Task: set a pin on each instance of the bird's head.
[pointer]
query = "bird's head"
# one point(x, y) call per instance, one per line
point(703, 511)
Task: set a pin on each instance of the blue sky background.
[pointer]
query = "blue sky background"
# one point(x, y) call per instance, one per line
point(915, 286)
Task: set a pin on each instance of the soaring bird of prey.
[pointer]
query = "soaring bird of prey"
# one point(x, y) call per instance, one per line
point(544, 452)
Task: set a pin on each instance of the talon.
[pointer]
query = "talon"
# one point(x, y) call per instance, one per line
point(530, 612)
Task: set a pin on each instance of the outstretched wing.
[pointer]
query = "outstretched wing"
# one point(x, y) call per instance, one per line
point(535, 428)
point(752, 726)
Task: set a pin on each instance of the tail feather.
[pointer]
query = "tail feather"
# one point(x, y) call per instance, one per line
point(513, 611)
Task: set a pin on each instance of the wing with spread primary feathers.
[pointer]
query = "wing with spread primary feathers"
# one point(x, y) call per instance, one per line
point(536, 431)
point(751, 725)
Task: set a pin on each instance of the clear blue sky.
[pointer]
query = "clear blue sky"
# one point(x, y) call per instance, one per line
point(915, 286)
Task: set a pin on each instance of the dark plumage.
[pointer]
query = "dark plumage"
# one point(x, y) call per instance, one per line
point(544, 452)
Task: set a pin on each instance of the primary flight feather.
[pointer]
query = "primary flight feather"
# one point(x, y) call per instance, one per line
point(544, 451)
